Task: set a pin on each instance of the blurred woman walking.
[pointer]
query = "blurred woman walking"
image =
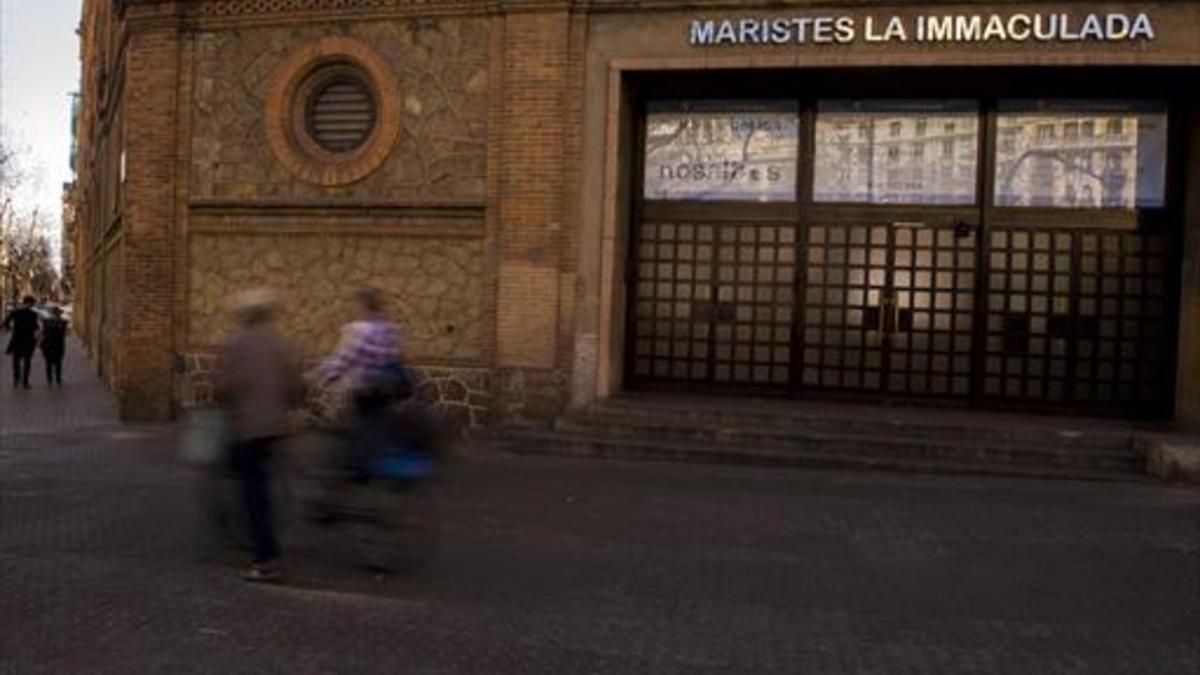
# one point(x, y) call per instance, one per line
point(258, 381)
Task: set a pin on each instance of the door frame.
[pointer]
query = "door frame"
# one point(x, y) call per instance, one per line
point(988, 216)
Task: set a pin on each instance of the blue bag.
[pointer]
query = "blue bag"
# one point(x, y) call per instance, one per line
point(404, 463)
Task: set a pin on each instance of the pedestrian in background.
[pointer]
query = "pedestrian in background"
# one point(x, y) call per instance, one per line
point(258, 381)
point(24, 339)
point(54, 345)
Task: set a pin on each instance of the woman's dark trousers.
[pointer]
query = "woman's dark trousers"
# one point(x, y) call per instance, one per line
point(54, 371)
point(22, 363)
point(252, 459)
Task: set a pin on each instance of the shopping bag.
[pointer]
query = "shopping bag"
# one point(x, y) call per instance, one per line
point(204, 438)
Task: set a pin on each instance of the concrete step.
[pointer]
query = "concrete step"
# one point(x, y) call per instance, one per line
point(868, 421)
point(797, 433)
point(896, 444)
point(545, 442)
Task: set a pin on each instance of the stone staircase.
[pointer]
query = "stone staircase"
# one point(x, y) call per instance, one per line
point(808, 434)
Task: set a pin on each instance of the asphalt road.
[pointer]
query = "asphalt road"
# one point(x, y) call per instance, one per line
point(569, 567)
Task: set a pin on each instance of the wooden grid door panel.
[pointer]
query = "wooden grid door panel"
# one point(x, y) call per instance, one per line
point(755, 297)
point(933, 282)
point(1121, 354)
point(1077, 317)
point(675, 273)
point(1028, 339)
point(845, 284)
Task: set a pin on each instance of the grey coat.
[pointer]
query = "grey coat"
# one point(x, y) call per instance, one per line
point(258, 380)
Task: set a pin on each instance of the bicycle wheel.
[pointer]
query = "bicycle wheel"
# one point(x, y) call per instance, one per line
point(394, 526)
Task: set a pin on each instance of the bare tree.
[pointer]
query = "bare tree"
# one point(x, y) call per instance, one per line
point(26, 260)
point(30, 262)
point(12, 173)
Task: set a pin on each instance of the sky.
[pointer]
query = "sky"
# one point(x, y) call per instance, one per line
point(39, 69)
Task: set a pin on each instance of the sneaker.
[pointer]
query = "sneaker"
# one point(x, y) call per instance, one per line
point(265, 573)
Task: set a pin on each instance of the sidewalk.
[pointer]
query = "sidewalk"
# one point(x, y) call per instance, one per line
point(558, 567)
point(82, 402)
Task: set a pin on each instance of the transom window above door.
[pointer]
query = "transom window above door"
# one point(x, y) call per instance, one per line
point(896, 152)
point(721, 151)
point(1081, 154)
point(1052, 154)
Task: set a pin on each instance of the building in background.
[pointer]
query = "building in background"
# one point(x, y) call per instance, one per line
point(960, 204)
point(69, 205)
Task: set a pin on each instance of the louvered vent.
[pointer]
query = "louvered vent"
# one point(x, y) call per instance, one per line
point(341, 115)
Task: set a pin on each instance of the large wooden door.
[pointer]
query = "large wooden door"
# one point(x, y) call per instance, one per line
point(714, 303)
point(1003, 287)
point(889, 307)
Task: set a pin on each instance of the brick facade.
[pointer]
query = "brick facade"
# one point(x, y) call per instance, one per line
point(492, 212)
point(457, 215)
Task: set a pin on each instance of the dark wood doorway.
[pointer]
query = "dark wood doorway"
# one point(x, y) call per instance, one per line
point(977, 301)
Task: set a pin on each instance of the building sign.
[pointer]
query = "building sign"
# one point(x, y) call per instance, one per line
point(714, 151)
point(940, 28)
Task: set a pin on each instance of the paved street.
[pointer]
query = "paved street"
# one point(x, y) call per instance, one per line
point(81, 402)
point(580, 566)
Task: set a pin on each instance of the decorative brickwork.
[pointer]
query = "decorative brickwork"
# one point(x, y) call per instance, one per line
point(253, 7)
point(462, 394)
point(496, 219)
point(438, 108)
point(434, 287)
point(284, 115)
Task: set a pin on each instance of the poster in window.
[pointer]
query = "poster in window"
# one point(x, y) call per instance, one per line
point(721, 152)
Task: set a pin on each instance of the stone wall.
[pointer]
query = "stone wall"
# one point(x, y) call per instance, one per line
point(434, 287)
point(441, 66)
point(462, 394)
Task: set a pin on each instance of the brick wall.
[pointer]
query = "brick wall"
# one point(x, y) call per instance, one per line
point(194, 147)
point(144, 344)
point(531, 208)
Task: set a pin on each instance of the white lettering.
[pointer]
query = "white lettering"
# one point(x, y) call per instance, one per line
point(1141, 28)
point(702, 33)
point(844, 29)
point(1064, 32)
point(1045, 28)
point(869, 31)
point(823, 29)
point(1116, 26)
point(726, 33)
point(1019, 27)
point(941, 28)
point(962, 28)
point(995, 29)
point(802, 25)
point(1092, 28)
point(968, 29)
point(748, 31)
point(781, 31)
point(895, 30)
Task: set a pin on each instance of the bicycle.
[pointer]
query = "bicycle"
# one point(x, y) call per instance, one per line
point(387, 514)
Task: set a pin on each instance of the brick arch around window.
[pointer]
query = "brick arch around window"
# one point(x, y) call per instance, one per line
point(297, 79)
